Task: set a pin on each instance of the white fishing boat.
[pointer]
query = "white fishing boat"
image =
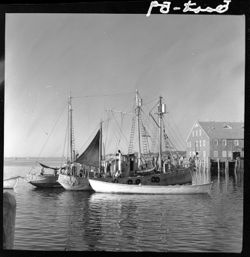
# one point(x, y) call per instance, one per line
point(10, 183)
point(102, 186)
point(132, 174)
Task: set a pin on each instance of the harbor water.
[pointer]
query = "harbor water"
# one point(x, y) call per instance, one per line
point(55, 219)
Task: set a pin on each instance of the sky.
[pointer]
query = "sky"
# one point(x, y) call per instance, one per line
point(195, 62)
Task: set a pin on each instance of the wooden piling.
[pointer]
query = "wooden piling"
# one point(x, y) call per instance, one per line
point(209, 170)
point(9, 217)
point(218, 167)
point(235, 169)
point(226, 169)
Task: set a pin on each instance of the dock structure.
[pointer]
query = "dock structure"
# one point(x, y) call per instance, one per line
point(9, 217)
point(202, 174)
point(205, 168)
point(221, 143)
point(224, 167)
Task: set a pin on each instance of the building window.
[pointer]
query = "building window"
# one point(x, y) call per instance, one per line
point(215, 153)
point(215, 141)
point(204, 142)
point(224, 142)
point(196, 132)
point(236, 142)
point(193, 133)
point(229, 154)
point(224, 154)
point(200, 132)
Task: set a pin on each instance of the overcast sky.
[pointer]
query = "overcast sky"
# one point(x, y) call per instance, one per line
point(195, 62)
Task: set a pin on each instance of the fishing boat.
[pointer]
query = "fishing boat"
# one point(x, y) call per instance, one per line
point(74, 175)
point(44, 179)
point(10, 183)
point(102, 186)
point(137, 174)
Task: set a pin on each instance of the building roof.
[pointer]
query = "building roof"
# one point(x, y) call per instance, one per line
point(223, 130)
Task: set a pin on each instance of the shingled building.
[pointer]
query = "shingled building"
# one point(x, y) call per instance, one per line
point(213, 140)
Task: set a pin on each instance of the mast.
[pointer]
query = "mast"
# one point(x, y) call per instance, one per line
point(138, 112)
point(70, 129)
point(100, 148)
point(161, 111)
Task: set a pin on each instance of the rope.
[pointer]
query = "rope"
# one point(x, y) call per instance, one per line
point(103, 95)
point(32, 167)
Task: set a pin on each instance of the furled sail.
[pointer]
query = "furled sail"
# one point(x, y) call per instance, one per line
point(48, 167)
point(90, 156)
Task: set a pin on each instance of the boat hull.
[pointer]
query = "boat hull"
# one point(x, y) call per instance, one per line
point(109, 187)
point(44, 181)
point(74, 183)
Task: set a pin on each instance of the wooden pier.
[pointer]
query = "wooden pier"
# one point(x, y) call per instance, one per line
point(202, 173)
point(205, 169)
point(226, 167)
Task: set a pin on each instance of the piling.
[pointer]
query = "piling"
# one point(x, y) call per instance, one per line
point(9, 217)
point(235, 169)
point(226, 169)
point(218, 168)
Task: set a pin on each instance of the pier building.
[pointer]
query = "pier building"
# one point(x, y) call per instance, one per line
point(216, 141)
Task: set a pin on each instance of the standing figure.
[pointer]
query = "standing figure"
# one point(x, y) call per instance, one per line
point(119, 162)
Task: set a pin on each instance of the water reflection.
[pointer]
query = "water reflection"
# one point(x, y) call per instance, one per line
point(55, 219)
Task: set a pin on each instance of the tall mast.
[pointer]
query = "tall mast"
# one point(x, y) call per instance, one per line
point(161, 111)
point(138, 113)
point(100, 147)
point(70, 128)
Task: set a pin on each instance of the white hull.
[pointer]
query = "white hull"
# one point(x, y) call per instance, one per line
point(10, 183)
point(109, 187)
point(74, 183)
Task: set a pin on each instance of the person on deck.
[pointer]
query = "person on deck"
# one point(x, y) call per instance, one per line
point(119, 162)
point(42, 171)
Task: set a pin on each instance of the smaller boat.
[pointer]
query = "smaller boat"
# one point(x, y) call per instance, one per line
point(74, 178)
point(10, 183)
point(43, 179)
point(75, 175)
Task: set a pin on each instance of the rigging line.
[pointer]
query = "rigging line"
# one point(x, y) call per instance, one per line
point(101, 95)
point(170, 116)
point(169, 140)
point(52, 130)
point(176, 129)
point(173, 142)
point(115, 136)
point(178, 138)
point(150, 101)
point(119, 128)
point(65, 140)
point(179, 134)
point(106, 137)
point(177, 142)
point(148, 120)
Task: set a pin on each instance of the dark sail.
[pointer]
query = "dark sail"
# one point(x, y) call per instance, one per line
point(90, 156)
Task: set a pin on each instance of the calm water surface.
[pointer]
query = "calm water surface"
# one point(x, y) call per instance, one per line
point(55, 219)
